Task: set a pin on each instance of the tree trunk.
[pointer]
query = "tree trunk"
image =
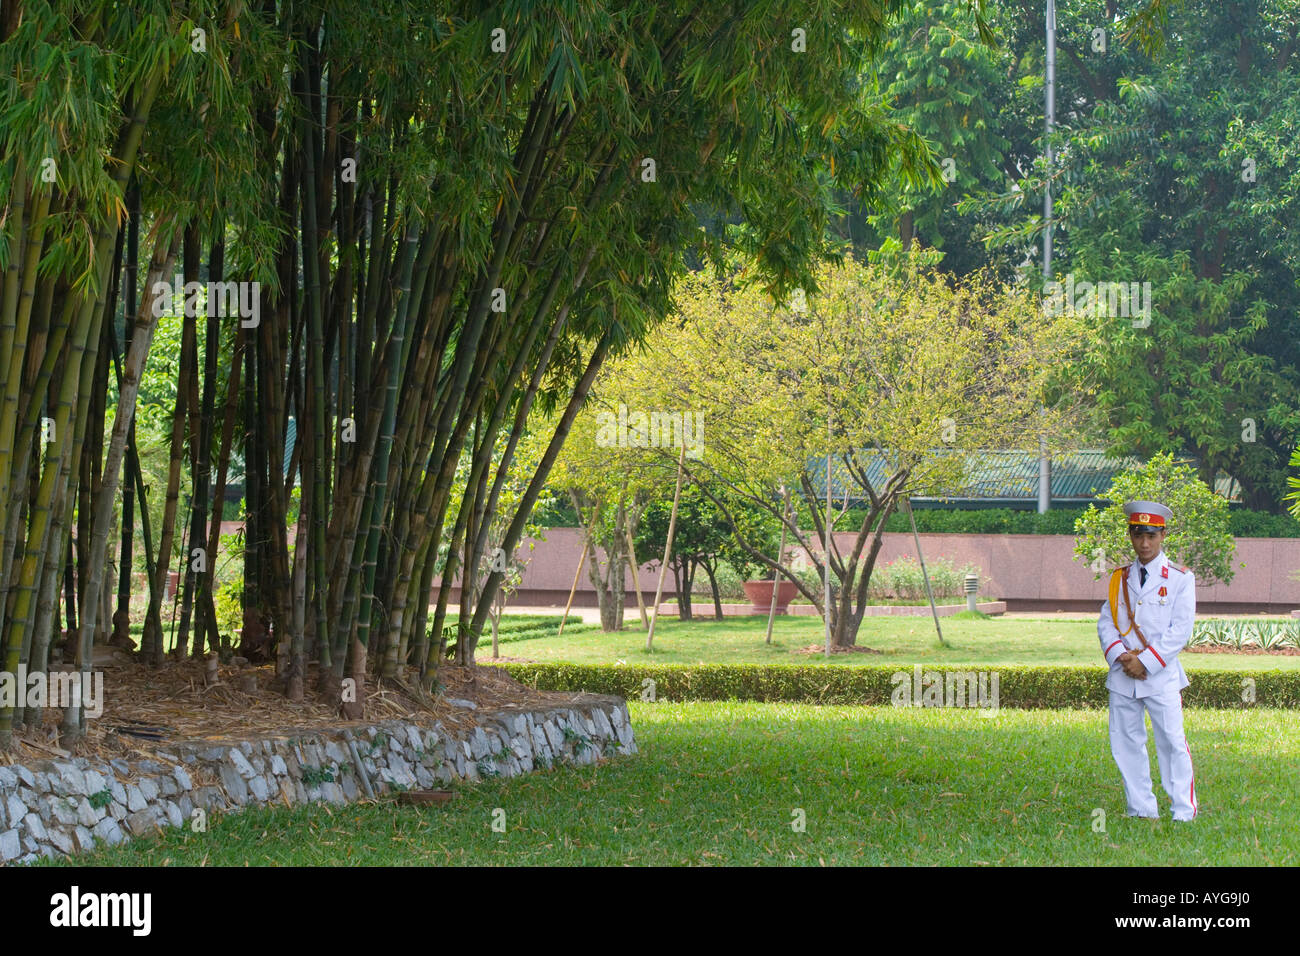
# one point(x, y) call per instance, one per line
point(713, 588)
point(607, 578)
point(681, 583)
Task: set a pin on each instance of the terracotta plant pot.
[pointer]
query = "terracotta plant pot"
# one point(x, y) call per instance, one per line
point(760, 595)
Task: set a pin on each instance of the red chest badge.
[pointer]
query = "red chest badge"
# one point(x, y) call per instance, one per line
point(1164, 573)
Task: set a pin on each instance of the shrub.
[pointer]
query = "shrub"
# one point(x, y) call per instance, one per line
point(730, 584)
point(903, 579)
point(1198, 536)
point(1242, 522)
point(987, 521)
point(1020, 687)
point(229, 604)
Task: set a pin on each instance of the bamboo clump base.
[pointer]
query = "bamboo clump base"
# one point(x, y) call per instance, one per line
point(145, 708)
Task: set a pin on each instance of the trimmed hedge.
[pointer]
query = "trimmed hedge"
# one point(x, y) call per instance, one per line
point(506, 636)
point(983, 521)
point(1242, 522)
point(511, 623)
point(1019, 687)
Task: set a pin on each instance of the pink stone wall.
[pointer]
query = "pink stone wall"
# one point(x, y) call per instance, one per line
point(1028, 571)
point(1040, 571)
point(550, 571)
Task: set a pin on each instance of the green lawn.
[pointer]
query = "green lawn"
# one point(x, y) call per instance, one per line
point(720, 783)
point(905, 640)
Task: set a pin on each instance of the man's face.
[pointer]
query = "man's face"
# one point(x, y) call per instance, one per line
point(1146, 541)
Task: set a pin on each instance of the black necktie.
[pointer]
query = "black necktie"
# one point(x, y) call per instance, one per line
point(1142, 577)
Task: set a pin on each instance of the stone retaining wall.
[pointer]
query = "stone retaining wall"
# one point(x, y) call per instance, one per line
point(64, 806)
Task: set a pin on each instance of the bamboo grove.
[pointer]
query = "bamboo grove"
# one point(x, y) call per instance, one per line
point(428, 225)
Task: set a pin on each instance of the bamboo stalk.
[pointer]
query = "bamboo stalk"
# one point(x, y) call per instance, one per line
point(133, 366)
point(380, 473)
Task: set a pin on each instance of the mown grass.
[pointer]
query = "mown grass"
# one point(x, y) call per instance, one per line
point(909, 640)
point(720, 783)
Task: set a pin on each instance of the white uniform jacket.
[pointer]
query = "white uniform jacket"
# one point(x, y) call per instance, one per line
point(1167, 628)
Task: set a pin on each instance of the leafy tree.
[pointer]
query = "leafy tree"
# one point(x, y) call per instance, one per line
point(1156, 179)
point(947, 84)
point(906, 370)
point(608, 485)
point(1198, 535)
point(705, 535)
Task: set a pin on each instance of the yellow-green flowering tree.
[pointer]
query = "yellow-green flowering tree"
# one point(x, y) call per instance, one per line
point(893, 370)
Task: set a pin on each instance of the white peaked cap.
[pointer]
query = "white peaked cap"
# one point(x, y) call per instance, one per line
point(1149, 513)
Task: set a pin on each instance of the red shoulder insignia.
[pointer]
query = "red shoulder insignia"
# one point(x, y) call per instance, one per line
point(1183, 569)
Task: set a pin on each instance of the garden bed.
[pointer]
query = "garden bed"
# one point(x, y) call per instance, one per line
point(173, 703)
point(1213, 649)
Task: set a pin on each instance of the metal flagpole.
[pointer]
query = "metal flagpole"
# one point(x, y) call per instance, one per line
point(1044, 458)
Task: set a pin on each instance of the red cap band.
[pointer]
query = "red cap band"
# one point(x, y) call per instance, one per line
point(1142, 518)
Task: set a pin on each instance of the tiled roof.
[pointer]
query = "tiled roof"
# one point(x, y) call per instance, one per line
point(1080, 476)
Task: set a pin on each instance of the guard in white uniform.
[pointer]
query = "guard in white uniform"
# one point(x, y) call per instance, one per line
point(1143, 625)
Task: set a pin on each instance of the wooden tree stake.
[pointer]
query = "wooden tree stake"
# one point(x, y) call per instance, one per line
point(668, 550)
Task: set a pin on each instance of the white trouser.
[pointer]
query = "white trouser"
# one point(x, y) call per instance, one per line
point(1128, 744)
